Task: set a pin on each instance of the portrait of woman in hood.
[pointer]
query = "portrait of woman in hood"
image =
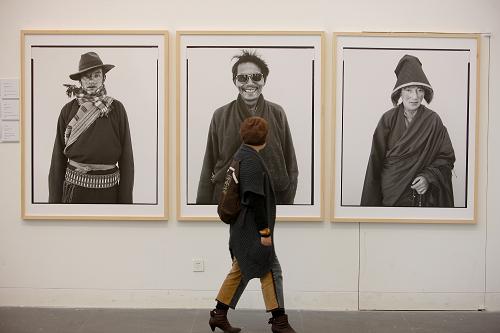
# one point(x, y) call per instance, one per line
point(412, 156)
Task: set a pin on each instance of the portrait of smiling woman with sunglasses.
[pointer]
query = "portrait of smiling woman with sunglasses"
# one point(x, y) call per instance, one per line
point(249, 73)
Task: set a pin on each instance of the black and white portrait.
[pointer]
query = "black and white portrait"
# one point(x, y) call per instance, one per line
point(405, 136)
point(94, 125)
point(92, 159)
point(225, 79)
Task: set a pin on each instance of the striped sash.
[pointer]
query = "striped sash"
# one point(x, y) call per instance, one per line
point(91, 108)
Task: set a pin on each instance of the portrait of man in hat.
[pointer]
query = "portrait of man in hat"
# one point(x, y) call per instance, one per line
point(94, 110)
point(92, 159)
point(412, 157)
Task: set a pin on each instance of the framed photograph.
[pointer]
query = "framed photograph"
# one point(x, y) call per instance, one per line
point(226, 77)
point(93, 121)
point(405, 127)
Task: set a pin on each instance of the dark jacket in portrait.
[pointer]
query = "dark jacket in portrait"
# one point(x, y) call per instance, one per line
point(224, 139)
point(106, 141)
point(253, 258)
point(400, 154)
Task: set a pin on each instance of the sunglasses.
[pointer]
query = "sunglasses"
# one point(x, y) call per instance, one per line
point(243, 78)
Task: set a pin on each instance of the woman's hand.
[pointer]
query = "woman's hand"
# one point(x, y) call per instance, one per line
point(420, 184)
point(266, 241)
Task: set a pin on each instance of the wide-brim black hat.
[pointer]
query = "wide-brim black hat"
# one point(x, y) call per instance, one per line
point(88, 61)
point(409, 73)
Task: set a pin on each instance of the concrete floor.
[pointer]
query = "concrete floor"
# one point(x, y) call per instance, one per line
point(57, 320)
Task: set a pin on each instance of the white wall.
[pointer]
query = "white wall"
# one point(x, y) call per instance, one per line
point(326, 265)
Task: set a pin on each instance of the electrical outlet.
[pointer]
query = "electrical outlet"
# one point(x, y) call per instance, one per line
point(198, 265)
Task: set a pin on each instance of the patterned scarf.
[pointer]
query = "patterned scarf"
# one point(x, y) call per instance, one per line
point(92, 106)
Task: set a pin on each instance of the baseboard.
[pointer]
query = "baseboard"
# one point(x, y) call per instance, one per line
point(421, 301)
point(493, 301)
point(251, 299)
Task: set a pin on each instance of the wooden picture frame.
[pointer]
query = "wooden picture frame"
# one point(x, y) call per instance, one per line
point(138, 81)
point(372, 160)
point(204, 84)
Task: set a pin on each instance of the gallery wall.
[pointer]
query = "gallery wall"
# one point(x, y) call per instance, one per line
point(327, 266)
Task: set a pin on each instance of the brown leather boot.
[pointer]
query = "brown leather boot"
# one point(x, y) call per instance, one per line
point(218, 318)
point(281, 325)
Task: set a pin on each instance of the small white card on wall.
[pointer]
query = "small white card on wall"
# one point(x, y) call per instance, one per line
point(9, 88)
point(9, 131)
point(9, 109)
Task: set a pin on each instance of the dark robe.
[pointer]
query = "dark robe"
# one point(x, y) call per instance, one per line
point(106, 141)
point(253, 258)
point(224, 140)
point(399, 154)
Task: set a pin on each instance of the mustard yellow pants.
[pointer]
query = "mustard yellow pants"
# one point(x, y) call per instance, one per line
point(271, 283)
